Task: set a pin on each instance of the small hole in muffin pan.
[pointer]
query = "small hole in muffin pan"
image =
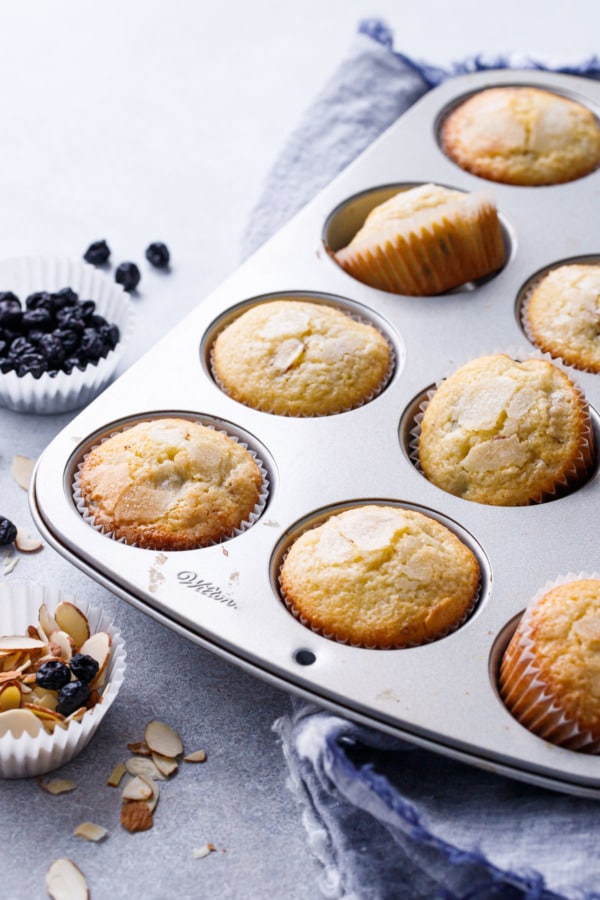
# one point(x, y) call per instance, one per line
point(349, 216)
point(458, 101)
point(591, 259)
point(319, 516)
point(408, 437)
point(254, 446)
point(353, 309)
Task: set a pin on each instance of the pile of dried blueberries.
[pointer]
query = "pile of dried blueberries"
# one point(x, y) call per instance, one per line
point(52, 333)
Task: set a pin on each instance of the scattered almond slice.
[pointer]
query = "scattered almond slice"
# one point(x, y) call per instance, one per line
point(90, 831)
point(21, 470)
point(201, 852)
point(57, 785)
point(27, 543)
point(114, 779)
point(139, 747)
point(72, 620)
point(18, 722)
point(153, 800)
point(137, 789)
point(165, 765)
point(136, 816)
point(163, 739)
point(64, 881)
point(10, 565)
point(98, 646)
point(144, 766)
point(198, 756)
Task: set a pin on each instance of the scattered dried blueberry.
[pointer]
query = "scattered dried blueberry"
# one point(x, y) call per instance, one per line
point(8, 532)
point(128, 275)
point(53, 675)
point(97, 253)
point(72, 696)
point(158, 255)
point(84, 667)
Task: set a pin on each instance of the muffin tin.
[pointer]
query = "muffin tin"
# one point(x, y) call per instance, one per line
point(442, 695)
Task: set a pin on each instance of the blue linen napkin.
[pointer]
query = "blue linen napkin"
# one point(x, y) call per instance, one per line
point(387, 820)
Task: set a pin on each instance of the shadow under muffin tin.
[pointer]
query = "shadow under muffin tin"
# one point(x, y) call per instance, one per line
point(441, 695)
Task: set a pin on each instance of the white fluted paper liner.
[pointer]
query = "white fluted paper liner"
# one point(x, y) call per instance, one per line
point(363, 402)
point(571, 479)
point(544, 715)
point(331, 636)
point(26, 756)
point(64, 392)
point(244, 526)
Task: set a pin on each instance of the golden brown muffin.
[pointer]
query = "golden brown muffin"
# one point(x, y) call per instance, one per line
point(380, 576)
point(170, 484)
point(506, 433)
point(523, 136)
point(296, 358)
point(562, 313)
point(550, 672)
point(425, 241)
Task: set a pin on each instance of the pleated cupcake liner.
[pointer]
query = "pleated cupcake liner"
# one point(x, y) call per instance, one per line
point(28, 755)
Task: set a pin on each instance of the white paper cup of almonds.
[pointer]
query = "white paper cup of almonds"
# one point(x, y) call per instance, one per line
point(40, 624)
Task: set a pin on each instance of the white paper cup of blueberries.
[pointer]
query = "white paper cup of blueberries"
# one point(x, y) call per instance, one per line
point(63, 328)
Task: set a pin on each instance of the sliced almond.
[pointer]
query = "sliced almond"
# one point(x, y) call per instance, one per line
point(139, 747)
point(18, 722)
point(153, 800)
point(72, 620)
point(17, 642)
point(165, 765)
point(136, 816)
point(64, 642)
point(10, 565)
point(144, 766)
point(163, 739)
point(27, 543)
point(47, 622)
point(21, 470)
point(48, 717)
point(137, 789)
point(98, 646)
point(201, 852)
point(10, 697)
point(33, 632)
point(114, 779)
point(64, 881)
point(90, 831)
point(198, 756)
point(57, 785)
point(43, 697)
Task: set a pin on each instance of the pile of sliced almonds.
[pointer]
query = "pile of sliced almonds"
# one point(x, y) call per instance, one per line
point(155, 759)
point(24, 705)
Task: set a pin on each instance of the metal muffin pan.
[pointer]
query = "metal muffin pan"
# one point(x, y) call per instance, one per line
point(442, 695)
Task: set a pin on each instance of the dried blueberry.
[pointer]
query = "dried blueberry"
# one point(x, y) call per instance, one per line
point(65, 297)
point(91, 345)
point(52, 348)
point(84, 667)
point(70, 318)
point(41, 299)
point(40, 318)
point(68, 338)
point(72, 696)
point(10, 310)
point(53, 675)
point(158, 255)
point(8, 532)
point(97, 253)
point(128, 275)
point(32, 364)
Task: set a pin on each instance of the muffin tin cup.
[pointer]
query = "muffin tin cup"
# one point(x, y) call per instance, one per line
point(28, 755)
point(572, 478)
point(254, 516)
point(64, 392)
point(528, 697)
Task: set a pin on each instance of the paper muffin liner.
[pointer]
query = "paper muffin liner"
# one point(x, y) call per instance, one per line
point(555, 355)
point(254, 516)
point(331, 636)
point(64, 392)
point(26, 756)
point(524, 691)
point(363, 402)
point(572, 478)
point(447, 247)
